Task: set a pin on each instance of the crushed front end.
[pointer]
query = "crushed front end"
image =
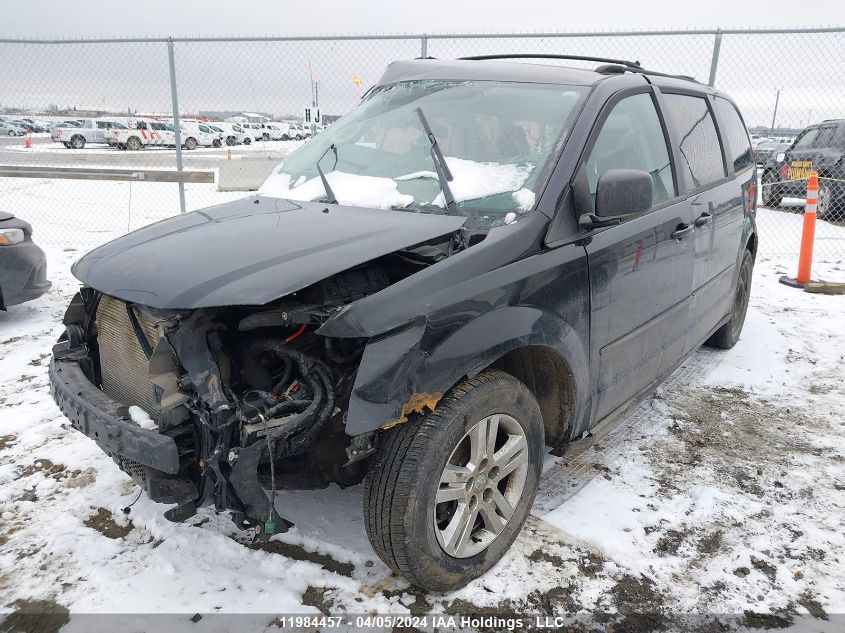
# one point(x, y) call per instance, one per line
point(217, 405)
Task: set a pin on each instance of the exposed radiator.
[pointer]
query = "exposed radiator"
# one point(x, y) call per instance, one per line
point(124, 366)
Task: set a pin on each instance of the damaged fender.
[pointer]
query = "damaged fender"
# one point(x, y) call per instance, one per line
point(400, 374)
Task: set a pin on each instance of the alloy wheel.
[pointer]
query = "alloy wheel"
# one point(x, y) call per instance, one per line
point(481, 485)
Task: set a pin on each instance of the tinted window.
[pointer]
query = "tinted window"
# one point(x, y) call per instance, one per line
point(825, 136)
point(736, 135)
point(102, 125)
point(698, 139)
point(632, 138)
point(806, 139)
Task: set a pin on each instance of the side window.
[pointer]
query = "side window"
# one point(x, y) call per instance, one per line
point(632, 138)
point(102, 125)
point(734, 131)
point(825, 136)
point(698, 138)
point(806, 139)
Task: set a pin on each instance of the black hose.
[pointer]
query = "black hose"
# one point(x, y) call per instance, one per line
point(299, 431)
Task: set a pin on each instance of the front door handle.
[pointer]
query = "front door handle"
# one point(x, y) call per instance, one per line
point(681, 231)
point(704, 219)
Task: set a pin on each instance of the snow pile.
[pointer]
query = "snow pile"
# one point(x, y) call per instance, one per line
point(474, 180)
point(142, 418)
point(350, 189)
point(524, 199)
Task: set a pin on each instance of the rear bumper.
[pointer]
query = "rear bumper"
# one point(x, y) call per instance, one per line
point(23, 273)
point(106, 421)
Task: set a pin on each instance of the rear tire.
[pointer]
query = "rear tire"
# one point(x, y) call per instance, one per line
point(285, 137)
point(484, 443)
point(217, 143)
point(247, 141)
point(265, 137)
point(728, 335)
point(772, 195)
point(230, 140)
point(191, 143)
point(831, 200)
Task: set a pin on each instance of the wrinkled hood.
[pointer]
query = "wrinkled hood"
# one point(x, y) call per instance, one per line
point(249, 252)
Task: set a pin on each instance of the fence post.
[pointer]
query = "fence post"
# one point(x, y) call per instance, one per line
point(178, 138)
point(423, 46)
point(714, 62)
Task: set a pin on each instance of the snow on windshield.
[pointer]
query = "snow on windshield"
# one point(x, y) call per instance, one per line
point(351, 190)
point(472, 181)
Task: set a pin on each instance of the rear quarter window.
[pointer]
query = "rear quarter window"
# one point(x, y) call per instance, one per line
point(738, 146)
point(698, 139)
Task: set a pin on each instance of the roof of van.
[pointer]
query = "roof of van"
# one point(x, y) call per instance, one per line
point(518, 71)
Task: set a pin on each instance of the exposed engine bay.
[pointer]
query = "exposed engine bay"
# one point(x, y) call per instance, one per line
point(252, 396)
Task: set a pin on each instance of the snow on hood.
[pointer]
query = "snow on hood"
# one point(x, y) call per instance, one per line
point(473, 180)
point(350, 189)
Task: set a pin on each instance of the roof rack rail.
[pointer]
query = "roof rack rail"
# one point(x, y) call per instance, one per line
point(605, 60)
point(608, 66)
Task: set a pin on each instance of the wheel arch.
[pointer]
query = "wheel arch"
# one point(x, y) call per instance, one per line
point(403, 374)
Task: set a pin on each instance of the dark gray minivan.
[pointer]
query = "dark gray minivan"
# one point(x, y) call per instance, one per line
point(483, 258)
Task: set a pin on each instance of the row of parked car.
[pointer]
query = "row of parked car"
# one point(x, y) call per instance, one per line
point(11, 126)
point(137, 133)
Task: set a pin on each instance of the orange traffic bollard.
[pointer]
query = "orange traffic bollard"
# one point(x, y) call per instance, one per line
point(808, 233)
point(228, 153)
point(27, 142)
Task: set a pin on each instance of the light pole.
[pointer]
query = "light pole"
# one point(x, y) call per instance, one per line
point(775, 113)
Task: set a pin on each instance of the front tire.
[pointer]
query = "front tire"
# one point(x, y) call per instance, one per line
point(247, 141)
point(728, 335)
point(133, 143)
point(448, 492)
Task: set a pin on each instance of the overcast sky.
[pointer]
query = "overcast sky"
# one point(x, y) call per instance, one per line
point(105, 18)
point(274, 77)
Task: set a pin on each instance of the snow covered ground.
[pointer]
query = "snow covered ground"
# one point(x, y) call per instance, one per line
point(727, 496)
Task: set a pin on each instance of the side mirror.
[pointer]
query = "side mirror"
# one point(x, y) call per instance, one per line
point(623, 192)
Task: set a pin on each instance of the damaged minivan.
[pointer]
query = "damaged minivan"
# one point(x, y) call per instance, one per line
point(483, 262)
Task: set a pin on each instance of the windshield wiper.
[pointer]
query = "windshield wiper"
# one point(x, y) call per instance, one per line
point(444, 175)
point(329, 193)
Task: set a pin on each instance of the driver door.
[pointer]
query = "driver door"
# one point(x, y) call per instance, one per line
point(641, 270)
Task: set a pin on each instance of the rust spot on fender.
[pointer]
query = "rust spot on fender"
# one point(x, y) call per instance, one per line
point(417, 403)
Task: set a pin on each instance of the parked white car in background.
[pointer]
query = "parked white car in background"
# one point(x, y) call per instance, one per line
point(232, 133)
point(10, 129)
point(195, 134)
point(142, 133)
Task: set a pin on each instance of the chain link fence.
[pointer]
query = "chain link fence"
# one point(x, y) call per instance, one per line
point(782, 80)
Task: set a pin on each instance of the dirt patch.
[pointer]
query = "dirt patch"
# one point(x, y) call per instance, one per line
point(769, 570)
point(539, 556)
point(6, 441)
point(710, 543)
point(82, 479)
point(591, 565)
point(105, 524)
point(639, 603)
point(755, 620)
point(814, 608)
point(297, 552)
point(36, 616)
point(316, 597)
point(670, 542)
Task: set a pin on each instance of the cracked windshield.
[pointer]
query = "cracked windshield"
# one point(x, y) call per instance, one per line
point(497, 141)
